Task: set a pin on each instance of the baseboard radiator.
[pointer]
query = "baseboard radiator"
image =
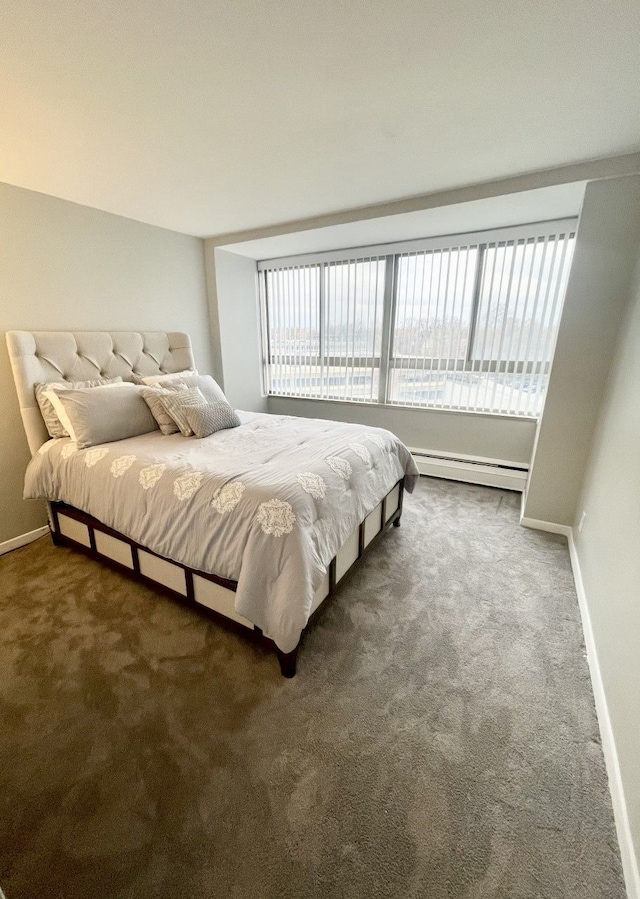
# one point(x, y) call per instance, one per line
point(473, 469)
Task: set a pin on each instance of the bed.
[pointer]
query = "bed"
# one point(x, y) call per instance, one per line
point(258, 523)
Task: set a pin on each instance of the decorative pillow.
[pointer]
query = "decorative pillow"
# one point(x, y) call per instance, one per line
point(49, 414)
point(152, 397)
point(208, 418)
point(176, 405)
point(103, 416)
point(152, 380)
point(209, 388)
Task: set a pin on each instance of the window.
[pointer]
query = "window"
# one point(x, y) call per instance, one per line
point(464, 323)
point(325, 329)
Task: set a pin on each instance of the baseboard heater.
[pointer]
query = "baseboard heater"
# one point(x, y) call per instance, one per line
point(473, 469)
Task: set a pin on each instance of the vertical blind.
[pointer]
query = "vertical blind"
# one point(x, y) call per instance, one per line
point(465, 323)
point(325, 329)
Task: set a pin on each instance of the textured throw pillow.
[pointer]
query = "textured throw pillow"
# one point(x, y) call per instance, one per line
point(151, 380)
point(103, 416)
point(208, 418)
point(152, 397)
point(49, 414)
point(176, 405)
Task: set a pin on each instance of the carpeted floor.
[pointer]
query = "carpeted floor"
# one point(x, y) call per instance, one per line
point(440, 739)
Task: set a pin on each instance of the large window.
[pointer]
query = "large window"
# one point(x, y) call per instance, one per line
point(465, 323)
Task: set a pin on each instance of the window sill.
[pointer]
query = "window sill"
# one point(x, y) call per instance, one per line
point(398, 406)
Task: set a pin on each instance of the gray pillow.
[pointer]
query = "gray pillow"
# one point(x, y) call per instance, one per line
point(152, 397)
point(176, 405)
point(208, 418)
point(49, 414)
point(103, 416)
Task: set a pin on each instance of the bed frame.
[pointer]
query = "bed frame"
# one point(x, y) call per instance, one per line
point(39, 356)
point(71, 527)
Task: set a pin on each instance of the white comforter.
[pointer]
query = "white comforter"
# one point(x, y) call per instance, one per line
point(267, 504)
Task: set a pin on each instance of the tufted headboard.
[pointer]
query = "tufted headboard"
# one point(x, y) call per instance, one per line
point(40, 356)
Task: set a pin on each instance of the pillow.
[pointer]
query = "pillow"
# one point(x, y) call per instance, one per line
point(151, 380)
point(208, 418)
point(176, 404)
point(210, 389)
point(103, 416)
point(49, 414)
point(151, 396)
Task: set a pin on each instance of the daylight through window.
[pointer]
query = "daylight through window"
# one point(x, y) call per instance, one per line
point(466, 323)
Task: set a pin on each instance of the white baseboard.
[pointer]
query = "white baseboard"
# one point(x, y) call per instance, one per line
point(488, 472)
point(620, 814)
point(616, 789)
point(549, 526)
point(537, 524)
point(22, 540)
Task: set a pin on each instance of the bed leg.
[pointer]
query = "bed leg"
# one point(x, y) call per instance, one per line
point(288, 662)
point(396, 521)
point(55, 538)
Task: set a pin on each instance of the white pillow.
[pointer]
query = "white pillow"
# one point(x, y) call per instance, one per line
point(150, 380)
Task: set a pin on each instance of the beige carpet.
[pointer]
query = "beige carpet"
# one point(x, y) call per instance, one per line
point(440, 738)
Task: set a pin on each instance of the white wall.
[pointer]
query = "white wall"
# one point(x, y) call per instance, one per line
point(467, 433)
point(595, 303)
point(68, 267)
point(608, 549)
point(235, 328)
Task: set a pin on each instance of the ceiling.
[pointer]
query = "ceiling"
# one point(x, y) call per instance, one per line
point(211, 116)
point(558, 202)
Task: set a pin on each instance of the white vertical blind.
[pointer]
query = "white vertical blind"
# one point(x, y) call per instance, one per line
point(323, 325)
point(432, 323)
point(470, 323)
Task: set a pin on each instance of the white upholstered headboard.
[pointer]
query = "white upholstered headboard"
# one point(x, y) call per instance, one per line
point(40, 356)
